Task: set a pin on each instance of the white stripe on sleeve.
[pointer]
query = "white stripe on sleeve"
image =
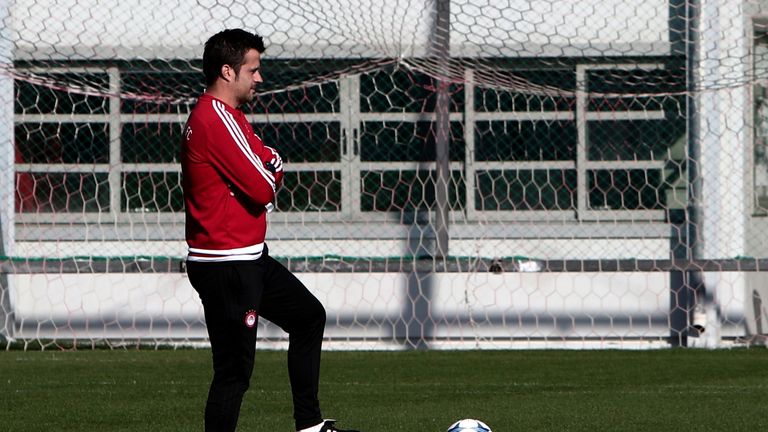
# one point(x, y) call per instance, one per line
point(242, 143)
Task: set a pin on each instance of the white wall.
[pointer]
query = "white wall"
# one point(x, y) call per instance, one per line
point(466, 310)
point(725, 107)
point(337, 28)
point(756, 287)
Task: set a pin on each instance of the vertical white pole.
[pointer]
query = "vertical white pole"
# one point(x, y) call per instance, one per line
point(6, 130)
point(7, 173)
point(724, 154)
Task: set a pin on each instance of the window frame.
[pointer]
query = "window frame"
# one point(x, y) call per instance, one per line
point(349, 166)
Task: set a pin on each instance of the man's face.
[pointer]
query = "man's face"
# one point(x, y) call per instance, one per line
point(248, 77)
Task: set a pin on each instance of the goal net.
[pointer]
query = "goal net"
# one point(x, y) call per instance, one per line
point(459, 174)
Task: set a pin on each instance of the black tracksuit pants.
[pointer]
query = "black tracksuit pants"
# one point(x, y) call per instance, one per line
point(233, 294)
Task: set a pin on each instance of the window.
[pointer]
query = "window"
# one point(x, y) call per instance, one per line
point(565, 143)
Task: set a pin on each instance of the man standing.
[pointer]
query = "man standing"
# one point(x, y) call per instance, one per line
point(230, 178)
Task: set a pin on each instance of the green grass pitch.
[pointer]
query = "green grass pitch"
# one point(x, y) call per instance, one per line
point(164, 390)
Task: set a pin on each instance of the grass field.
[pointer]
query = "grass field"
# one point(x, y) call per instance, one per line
point(145, 390)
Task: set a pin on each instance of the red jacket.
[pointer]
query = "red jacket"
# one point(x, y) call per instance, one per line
point(226, 183)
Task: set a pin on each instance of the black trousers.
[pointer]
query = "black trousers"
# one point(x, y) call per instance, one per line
point(233, 295)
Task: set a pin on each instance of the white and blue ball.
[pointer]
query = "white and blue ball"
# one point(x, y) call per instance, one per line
point(469, 425)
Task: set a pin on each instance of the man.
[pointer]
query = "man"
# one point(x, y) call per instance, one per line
point(230, 178)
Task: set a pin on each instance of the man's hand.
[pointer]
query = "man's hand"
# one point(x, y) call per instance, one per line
point(275, 164)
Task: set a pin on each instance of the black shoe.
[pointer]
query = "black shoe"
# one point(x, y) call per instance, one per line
point(330, 426)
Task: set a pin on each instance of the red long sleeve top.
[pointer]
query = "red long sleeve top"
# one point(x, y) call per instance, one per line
point(226, 183)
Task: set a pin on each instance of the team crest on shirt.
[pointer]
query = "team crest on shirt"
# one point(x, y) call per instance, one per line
point(250, 318)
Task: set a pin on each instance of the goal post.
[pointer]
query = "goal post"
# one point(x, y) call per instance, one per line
point(459, 174)
point(6, 167)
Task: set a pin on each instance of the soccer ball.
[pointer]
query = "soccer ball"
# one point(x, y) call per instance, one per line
point(469, 425)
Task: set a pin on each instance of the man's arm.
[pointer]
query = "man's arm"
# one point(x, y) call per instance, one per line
point(231, 154)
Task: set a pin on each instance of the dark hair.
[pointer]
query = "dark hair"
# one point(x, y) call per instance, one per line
point(228, 47)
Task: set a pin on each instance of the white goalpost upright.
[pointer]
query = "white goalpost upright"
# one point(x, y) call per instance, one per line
point(6, 166)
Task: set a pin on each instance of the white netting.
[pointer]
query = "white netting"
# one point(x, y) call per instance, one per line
point(588, 171)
